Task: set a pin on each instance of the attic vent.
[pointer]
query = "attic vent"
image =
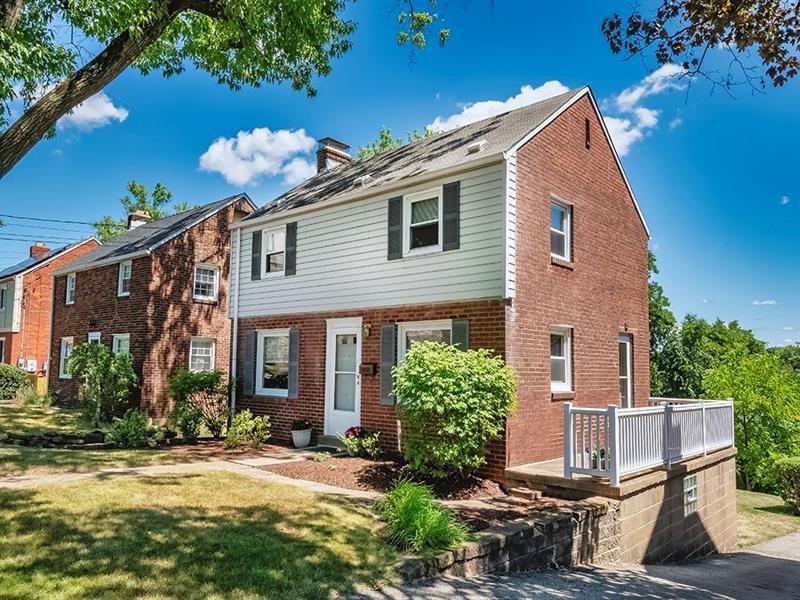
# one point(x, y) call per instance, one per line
point(476, 147)
point(363, 180)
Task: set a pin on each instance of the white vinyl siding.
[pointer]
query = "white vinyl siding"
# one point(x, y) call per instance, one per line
point(511, 226)
point(342, 256)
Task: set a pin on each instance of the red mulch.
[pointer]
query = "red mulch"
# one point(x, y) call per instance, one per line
point(379, 476)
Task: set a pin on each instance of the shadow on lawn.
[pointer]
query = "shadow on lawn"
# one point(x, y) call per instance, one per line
point(185, 551)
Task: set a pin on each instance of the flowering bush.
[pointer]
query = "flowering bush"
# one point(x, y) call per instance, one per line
point(301, 425)
point(247, 430)
point(361, 442)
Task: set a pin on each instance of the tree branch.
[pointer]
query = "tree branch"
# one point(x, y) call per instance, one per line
point(10, 12)
point(90, 79)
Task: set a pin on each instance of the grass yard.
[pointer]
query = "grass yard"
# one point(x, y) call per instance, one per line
point(763, 517)
point(19, 418)
point(215, 535)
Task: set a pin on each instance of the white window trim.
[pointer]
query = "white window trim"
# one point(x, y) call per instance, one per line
point(215, 295)
point(404, 328)
point(626, 339)
point(562, 386)
point(264, 232)
point(408, 200)
point(115, 338)
point(567, 207)
point(129, 263)
point(62, 364)
point(200, 338)
point(259, 389)
point(69, 297)
point(94, 336)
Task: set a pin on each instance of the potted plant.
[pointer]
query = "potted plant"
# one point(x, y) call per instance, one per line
point(301, 433)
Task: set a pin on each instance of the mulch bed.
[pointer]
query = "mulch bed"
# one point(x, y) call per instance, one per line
point(379, 476)
point(216, 449)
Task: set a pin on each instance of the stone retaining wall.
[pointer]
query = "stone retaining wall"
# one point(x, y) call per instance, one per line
point(586, 532)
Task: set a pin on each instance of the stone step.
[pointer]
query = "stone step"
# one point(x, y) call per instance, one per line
point(329, 440)
point(525, 493)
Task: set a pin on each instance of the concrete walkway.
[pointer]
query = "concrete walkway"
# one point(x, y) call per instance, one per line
point(767, 571)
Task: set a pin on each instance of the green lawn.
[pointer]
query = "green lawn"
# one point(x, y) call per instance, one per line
point(20, 418)
point(215, 535)
point(763, 517)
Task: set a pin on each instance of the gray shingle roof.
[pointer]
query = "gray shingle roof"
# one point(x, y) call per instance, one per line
point(145, 238)
point(443, 151)
point(35, 260)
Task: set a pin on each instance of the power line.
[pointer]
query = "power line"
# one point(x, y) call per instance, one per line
point(47, 220)
point(24, 237)
point(37, 240)
point(44, 227)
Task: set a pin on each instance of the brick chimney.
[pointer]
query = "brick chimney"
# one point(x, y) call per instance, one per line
point(331, 153)
point(136, 218)
point(38, 249)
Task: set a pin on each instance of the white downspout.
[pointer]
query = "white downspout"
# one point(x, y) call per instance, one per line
point(235, 333)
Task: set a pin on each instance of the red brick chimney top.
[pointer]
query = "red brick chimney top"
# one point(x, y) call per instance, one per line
point(38, 249)
point(331, 154)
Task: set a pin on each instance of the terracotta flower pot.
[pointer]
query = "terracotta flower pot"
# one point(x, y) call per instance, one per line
point(301, 438)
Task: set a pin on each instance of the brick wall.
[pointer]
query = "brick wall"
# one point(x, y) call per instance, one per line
point(486, 330)
point(160, 314)
point(32, 340)
point(603, 294)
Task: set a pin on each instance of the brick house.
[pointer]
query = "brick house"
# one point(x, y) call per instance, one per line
point(26, 301)
point(158, 291)
point(518, 233)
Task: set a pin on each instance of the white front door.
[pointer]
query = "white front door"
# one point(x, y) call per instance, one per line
point(342, 379)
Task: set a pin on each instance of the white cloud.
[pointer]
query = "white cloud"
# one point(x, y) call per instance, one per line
point(788, 328)
point(95, 112)
point(675, 123)
point(705, 301)
point(252, 154)
point(475, 111)
point(764, 302)
point(784, 199)
point(633, 121)
point(788, 341)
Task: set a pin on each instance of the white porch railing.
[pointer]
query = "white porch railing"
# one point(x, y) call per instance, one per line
point(618, 441)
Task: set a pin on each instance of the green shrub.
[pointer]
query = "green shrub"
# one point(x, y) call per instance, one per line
point(187, 420)
point(106, 381)
point(787, 474)
point(30, 396)
point(247, 430)
point(451, 404)
point(416, 521)
point(203, 392)
point(361, 442)
point(12, 381)
point(130, 431)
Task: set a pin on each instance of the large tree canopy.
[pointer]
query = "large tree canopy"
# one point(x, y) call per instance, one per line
point(690, 32)
point(239, 42)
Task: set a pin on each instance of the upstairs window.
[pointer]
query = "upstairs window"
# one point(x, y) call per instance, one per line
point(70, 299)
point(560, 231)
point(2, 299)
point(124, 279)
point(206, 278)
point(422, 231)
point(561, 360)
point(274, 250)
point(202, 353)
point(121, 343)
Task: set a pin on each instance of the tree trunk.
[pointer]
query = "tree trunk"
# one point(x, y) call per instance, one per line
point(18, 139)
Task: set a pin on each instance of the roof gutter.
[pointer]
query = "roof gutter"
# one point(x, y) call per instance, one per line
point(368, 192)
point(100, 263)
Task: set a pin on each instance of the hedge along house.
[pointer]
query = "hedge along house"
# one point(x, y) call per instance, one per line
point(26, 296)
point(518, 233)
point(159, 291)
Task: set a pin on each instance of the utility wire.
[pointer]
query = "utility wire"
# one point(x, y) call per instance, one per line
point(25, 237)
point(43, 227)
point(47, 220)
point(38, 240)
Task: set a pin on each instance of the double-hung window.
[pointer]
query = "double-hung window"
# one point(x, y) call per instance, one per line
point(121, 343)
point(272, 365)
point(560, 231)
point(124, 278)
point(206, 282)
point(66, 350)
point(274, 250)
point(202, 353)
point(3, 298)
point(421, 331)
point(561, 360)
point(93, 337)
point(422, 230)
point(70, 298)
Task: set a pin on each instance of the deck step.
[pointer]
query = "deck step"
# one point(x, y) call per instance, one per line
point(525, 493)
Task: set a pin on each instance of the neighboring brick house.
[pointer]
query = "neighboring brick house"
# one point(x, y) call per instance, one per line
point(158, 291)
point(26, 302)
point(518, 233)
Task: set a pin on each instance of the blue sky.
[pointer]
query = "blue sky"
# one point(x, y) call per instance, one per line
point(716, 176)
